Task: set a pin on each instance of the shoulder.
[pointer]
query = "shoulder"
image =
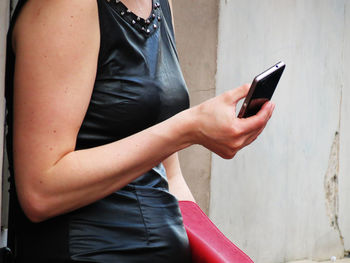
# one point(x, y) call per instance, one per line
point(39, 10)
point(50, 18)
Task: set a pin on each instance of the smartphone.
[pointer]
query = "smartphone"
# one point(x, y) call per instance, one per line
point(261, 90)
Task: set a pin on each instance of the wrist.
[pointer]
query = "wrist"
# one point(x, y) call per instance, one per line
point(186, 126)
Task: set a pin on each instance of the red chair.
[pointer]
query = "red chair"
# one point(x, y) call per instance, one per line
point(207, 243)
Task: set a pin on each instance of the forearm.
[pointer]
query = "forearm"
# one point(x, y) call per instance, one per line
point(177, 184)
point(179, 188)
point(82, 177)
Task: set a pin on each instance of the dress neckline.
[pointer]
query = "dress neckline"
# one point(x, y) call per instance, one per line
point(149, 15)
point(146, 26)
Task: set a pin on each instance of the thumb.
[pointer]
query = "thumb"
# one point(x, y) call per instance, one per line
point(239, 93)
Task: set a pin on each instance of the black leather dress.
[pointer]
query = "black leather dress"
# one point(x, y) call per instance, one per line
point(138, 84)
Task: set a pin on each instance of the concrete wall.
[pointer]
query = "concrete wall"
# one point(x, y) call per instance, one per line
point(196, 23)
point(344, 147)
point(287, 196)
point(4, 20)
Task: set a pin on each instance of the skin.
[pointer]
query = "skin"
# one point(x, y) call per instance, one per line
point(56, 44)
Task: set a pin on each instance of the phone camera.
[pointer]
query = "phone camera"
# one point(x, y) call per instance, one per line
point(276, 66)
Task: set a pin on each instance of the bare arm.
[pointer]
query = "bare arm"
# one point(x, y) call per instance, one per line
point(177, 183)
point(56, 44)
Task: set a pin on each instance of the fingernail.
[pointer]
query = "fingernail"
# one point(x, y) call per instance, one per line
point(269, 105)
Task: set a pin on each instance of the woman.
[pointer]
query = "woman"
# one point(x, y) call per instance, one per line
point(100, 110)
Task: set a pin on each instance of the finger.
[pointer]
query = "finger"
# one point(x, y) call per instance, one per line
point(259, 120)
point(252, 136)
point(237, 94)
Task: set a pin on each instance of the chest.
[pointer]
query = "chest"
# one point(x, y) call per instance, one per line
point(139, 81)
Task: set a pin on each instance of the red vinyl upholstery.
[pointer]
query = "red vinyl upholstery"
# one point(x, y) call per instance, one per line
point(207, 243)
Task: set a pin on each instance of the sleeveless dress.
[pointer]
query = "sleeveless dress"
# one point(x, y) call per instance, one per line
point(138, 84)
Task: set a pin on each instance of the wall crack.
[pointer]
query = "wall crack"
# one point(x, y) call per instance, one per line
point(331, 187)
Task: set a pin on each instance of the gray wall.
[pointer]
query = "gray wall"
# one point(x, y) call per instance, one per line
point(344, 141)
point(196, 24)
point(287, 196)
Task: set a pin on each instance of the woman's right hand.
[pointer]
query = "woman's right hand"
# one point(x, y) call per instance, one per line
point(216, 127)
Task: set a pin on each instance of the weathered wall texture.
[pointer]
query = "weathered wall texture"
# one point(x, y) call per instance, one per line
point(196, 24)
point(344, 145)
point(287, 196)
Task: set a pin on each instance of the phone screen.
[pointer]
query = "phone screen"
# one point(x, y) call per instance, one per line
point(261, 90)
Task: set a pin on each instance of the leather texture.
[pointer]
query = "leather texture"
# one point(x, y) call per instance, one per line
point(208, 244)
point(138, 84)
point(139, 81)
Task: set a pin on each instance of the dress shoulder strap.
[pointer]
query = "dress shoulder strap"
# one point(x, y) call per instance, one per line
point(167, 14)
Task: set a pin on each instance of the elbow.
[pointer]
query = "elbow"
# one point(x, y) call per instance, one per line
point(35, 216)
point(35, 206)
point(34, 196)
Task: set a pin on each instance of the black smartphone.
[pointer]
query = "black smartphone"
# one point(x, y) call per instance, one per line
point(261, 90)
